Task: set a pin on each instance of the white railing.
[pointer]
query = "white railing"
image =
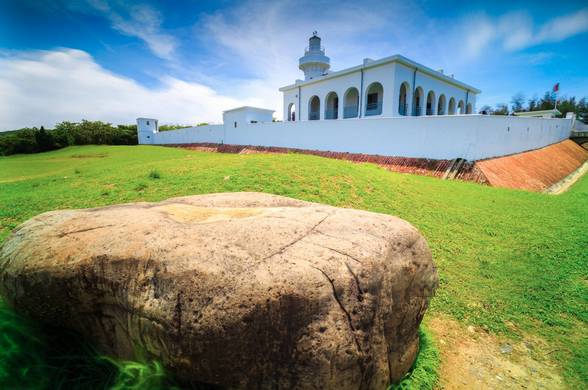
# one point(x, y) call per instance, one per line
point(321, 50)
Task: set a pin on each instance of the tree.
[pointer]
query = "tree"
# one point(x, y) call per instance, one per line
point(582, 110)
point(501, 109)
point(547, 102)
point(533, 103)
point(44, 140)
point(518, 102)
point(487, 110)
point(566, 105)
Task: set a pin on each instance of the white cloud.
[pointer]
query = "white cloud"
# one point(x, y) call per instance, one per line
point(516, 31)
point(141, 21)
point(564, 27)
point(45, 87)
point(264, 40)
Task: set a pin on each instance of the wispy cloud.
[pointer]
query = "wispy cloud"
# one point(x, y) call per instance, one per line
point(516, 31)
point(564, 27)
point(46, 87)
point(140, 21)
point(265, 53)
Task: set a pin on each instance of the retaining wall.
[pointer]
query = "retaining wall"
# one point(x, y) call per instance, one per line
point(473, 137)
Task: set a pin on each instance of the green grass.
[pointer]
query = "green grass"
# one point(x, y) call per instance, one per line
point(424, 374)
point(32, 358)
point(512, 262)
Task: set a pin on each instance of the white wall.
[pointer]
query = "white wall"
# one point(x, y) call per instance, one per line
point(580, 126)
point(473, 137)
point(428, 83)
point(201, 134)
point(243, 115)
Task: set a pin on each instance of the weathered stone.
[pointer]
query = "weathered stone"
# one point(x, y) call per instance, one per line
point(240, 289)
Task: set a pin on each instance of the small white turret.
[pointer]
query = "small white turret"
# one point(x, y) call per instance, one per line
point(146, 127)
point(314, 63)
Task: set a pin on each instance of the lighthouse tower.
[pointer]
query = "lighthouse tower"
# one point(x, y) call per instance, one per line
point(314, 63)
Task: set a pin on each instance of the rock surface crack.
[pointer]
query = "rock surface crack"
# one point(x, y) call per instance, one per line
point(338, 300)
point(63, 234)
point(283, 249)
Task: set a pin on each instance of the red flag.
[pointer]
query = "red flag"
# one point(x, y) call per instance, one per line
point(556, 88)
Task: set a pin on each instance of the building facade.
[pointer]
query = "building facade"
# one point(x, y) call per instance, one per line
point(389, 87)
point(388, 107)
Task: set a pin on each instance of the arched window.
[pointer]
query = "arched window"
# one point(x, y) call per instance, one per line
point(417, 102)
point(451, 109)
point(332, 106)
point(291, 112)
point(461, 107)
point(441, 105)
point(351, 103)
point(402, 101)
point(314, 108)
point(430, 103)
point(469, 108)
point(374, 99)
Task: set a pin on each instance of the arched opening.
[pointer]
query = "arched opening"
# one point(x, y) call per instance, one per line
point(461, 107)
point(314, 108)
point(291, 112)
point(441, 105)
point(375, 97)
point(332, 106)
point(430, 103)
point(402, 102)
point(351, 103)
point(451, 109)
point(469, 108)
point(417, 102)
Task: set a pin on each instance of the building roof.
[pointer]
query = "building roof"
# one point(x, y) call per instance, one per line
point(371, 64)
point(553, 111)
point(248, 108)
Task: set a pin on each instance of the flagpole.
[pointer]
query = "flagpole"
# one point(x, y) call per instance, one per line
point(555, 91)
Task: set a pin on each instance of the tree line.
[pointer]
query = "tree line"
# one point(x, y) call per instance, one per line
point(34, 140)
point(520, 103)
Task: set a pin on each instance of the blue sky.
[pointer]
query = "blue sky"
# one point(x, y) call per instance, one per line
point(186, 61)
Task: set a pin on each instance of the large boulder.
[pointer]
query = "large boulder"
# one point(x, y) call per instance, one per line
point(239, 289)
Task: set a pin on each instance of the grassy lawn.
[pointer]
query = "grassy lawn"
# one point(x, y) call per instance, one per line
point(511, 262)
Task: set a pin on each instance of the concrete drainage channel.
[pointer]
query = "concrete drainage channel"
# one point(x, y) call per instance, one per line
point(563, 185)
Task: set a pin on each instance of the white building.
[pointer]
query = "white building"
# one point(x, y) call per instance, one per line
point(388, 107)
point(391, 86)
point(554, 112)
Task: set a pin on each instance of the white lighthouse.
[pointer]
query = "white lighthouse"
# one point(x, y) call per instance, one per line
point(314, 63)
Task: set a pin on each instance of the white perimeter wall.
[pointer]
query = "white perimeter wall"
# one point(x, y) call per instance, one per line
point(472, 137)
point(200, 134)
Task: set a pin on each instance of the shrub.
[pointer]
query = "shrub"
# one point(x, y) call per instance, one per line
point(154, 174)
point(140, 186)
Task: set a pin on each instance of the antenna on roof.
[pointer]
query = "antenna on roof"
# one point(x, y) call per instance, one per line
point(314, 33)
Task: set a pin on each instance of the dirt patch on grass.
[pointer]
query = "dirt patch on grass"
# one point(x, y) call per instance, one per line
point(473, 359)
point(89, 155)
